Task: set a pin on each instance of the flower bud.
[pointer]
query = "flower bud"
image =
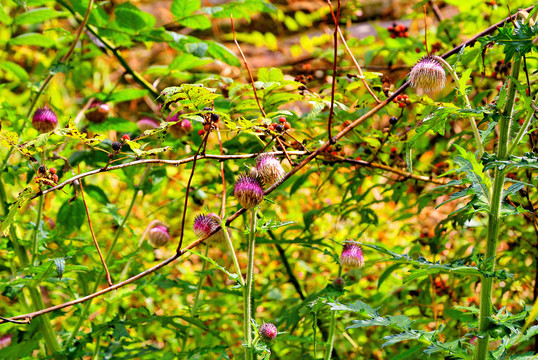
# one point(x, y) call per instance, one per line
point(44, 120)
point(269, 169)
point(268, 332)
point(248, 191)
point(204, 225)
point(181, 128)
point(339, 283)
point(352, 255)
point(147, 124)
point(428, 75)
point(98, 112)
point(158, 236)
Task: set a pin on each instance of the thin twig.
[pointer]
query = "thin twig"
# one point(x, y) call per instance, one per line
point(336, 19)
point(248, 67)
point(285, 152)
point(359, 69)
point(108, 279)
point(202, 146)
point(223, 206)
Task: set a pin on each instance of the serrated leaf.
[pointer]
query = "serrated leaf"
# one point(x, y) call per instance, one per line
point(32, 39)
point(22, 199)
point(183, 8)
point(36, 16)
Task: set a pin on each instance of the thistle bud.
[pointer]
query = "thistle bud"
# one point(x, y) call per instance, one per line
point(181, 128)
point(268, 332)
point(147, 124)
point(204, 225)
point(428, 74)
point(44, 120)
point(248, 191)
point(98, 112)
point(158, 236)
point(352, 255)
point(269, 169)
point(339, 283)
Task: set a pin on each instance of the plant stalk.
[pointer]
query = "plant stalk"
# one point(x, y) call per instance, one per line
point(494, 218)
point(248, 288)
point(332, 326)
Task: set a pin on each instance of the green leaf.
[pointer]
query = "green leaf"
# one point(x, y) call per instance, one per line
point(126, 95)
point(220, 52)
point(194, 97)
point(196, 22)
point(96, 193)
point(462, 84)
point(211, 261)
point(32, 39)
point(71, 215)
point(184, 8)
point(60, 266)
point(36, 16)
point(14, 69)
point(22, 199)
point(130, 17)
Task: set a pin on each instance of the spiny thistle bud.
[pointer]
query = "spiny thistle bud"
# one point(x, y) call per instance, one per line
point(339, 283)
point(428, 74)
point(98, 112)
point(147, 124)
point(181, 128)
point(158, 236)
point(44, 120)
point(268, 332)
point(269, 169)
point(205, 225)
point(352, 255)
point(248, 191)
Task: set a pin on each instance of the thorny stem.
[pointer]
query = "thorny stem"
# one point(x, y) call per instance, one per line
point(248, 68)
point(336, 19)
point(109, 280)
point(35, 243)
point(472, 120)
point(523, 129)
point(494, 217)
point(248, 288)
point(330, 340)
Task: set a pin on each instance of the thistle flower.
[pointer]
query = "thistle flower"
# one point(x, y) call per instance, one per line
point(147, 124)
point(204, 225)
point(98, 112)
point(44, 120)
point(248, 191)
point(352, 255)
point(158, 236)
point(268, 332)
point(269, 169)
point(428, 74)
point(181, 128)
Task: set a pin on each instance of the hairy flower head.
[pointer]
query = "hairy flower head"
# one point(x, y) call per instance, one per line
point(428, 74)
point(352, 255)
point(158, 236)
point(268, 332)
point(248, 191)
point(44, 120)
point(269, 169)
point(204, 225)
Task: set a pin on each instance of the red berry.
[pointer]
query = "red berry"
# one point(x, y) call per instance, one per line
point(52, 170)
point(358, 158)
point(390, 28)
point(201, 132)
point(207, 128)
point(126, 137)
point(417, 50)
point(393, 150)
point(282, 119)
point(393, 36)
point(307, 67)
point(334, 153)
point(401, 105)
point(287, 125)
point(55, 178)
point(406, 34)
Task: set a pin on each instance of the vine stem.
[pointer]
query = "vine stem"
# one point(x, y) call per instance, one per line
point(467, 103)
point(248, 288)
point(332, 326)
point(494, 217)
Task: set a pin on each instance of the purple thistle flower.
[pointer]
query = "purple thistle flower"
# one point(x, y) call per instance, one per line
point(181, 127)
point(428, 74)
point(44, 120)
point(268, 332)
point(269, 169)
point(352, 255)
point(204, 225)
point(147, 124)
point(158, 236)
point(248, 191)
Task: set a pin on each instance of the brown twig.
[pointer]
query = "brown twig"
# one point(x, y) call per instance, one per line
point(336, 19)
point(202, 146)
point(223, 206)
point(108, 279)
point(248, 67)
point(284, 150)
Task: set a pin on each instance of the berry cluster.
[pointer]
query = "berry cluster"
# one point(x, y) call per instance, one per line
point(398, 30)
point(402, 100)
point(47, 177)
point(210, 121)
point(501, 68)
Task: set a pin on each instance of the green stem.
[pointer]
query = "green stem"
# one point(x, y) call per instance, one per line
point(194, 308)
point(35, 243)
point(332, 326)
point(35, 294)
point(522, 130)
point(247, 293)
point(234, 257)
point(467, 102)
point(494, 218)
